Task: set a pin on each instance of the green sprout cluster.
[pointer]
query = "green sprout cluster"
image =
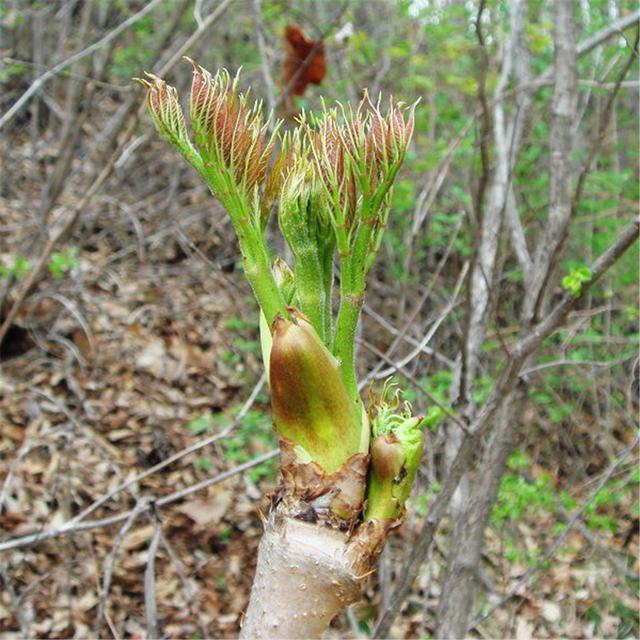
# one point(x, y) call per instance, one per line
point(332, 179)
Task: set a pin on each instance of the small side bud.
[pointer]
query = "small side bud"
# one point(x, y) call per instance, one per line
point(387, 456)
point(285, 279)
point(396, 452)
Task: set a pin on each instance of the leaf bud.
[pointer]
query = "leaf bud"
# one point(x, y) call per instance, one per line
point(311, 405)
point(396, 451)
point(166, 113)
point(230, 134)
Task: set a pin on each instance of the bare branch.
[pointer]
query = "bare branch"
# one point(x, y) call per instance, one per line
point(70, 528)
point(45, 77)
point(110, 561)
point(15, 602)
point(401, 335)
point(507, 381)
point(564, 108)
point(432, 330)
point(486, 124)
point(605, 119)
point(264, 60)
point(616, 27)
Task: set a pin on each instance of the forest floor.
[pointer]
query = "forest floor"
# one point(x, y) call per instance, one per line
point(149, 345)
point(167, 355)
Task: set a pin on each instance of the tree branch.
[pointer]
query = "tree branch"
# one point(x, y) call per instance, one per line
point(507, 381)
point(70, 527)
point(45, 77)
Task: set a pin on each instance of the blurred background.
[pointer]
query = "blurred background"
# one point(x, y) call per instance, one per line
point(129, 339)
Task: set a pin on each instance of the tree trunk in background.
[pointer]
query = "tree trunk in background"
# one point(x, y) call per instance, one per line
point(468, 537)
point(564, 106)
point(468, 540)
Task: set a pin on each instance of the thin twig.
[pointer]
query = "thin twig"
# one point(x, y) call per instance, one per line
point(603, 126)
point(423, 298)
point(264, 60)
point(176, 456)
point(396, 368)
point(403, 362)
point(45, 77)
point(486, 125)
point(568, 363)
point(70, 528)
point(15, 602)
point(383, 322)
point(110, 561)
point(150, 608)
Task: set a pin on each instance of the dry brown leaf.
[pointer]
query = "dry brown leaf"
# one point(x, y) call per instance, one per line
point(551, 611)
point(207, 511)
point(137, 537)
point(524, 629)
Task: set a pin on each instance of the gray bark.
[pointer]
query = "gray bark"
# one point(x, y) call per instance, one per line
point(467, 540)
point(468, 536)
point(564, 107)
point(500, 208)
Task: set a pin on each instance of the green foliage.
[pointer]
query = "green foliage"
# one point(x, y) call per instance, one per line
point(247, 346)
point(10, 71)
point(221, 584)
point(423, 500)
point(137, 49)
point(518, 496)
point(61, 262)
point(237, 323)
point(575, 279)
point(204, 464)
point(404, 196)
point(200, 424)
point(437, 386)
point(553, 405)
point(20, 267)
point(254, 431)
point(521, 499)
point(433, 417)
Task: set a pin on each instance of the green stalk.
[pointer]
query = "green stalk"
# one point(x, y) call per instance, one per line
point(255, 257)
point(258, 272)
point(351, 300)
point(354, 266)
point(326, 267)
point(381, 504)
point(310, 287)
point(372, 217)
